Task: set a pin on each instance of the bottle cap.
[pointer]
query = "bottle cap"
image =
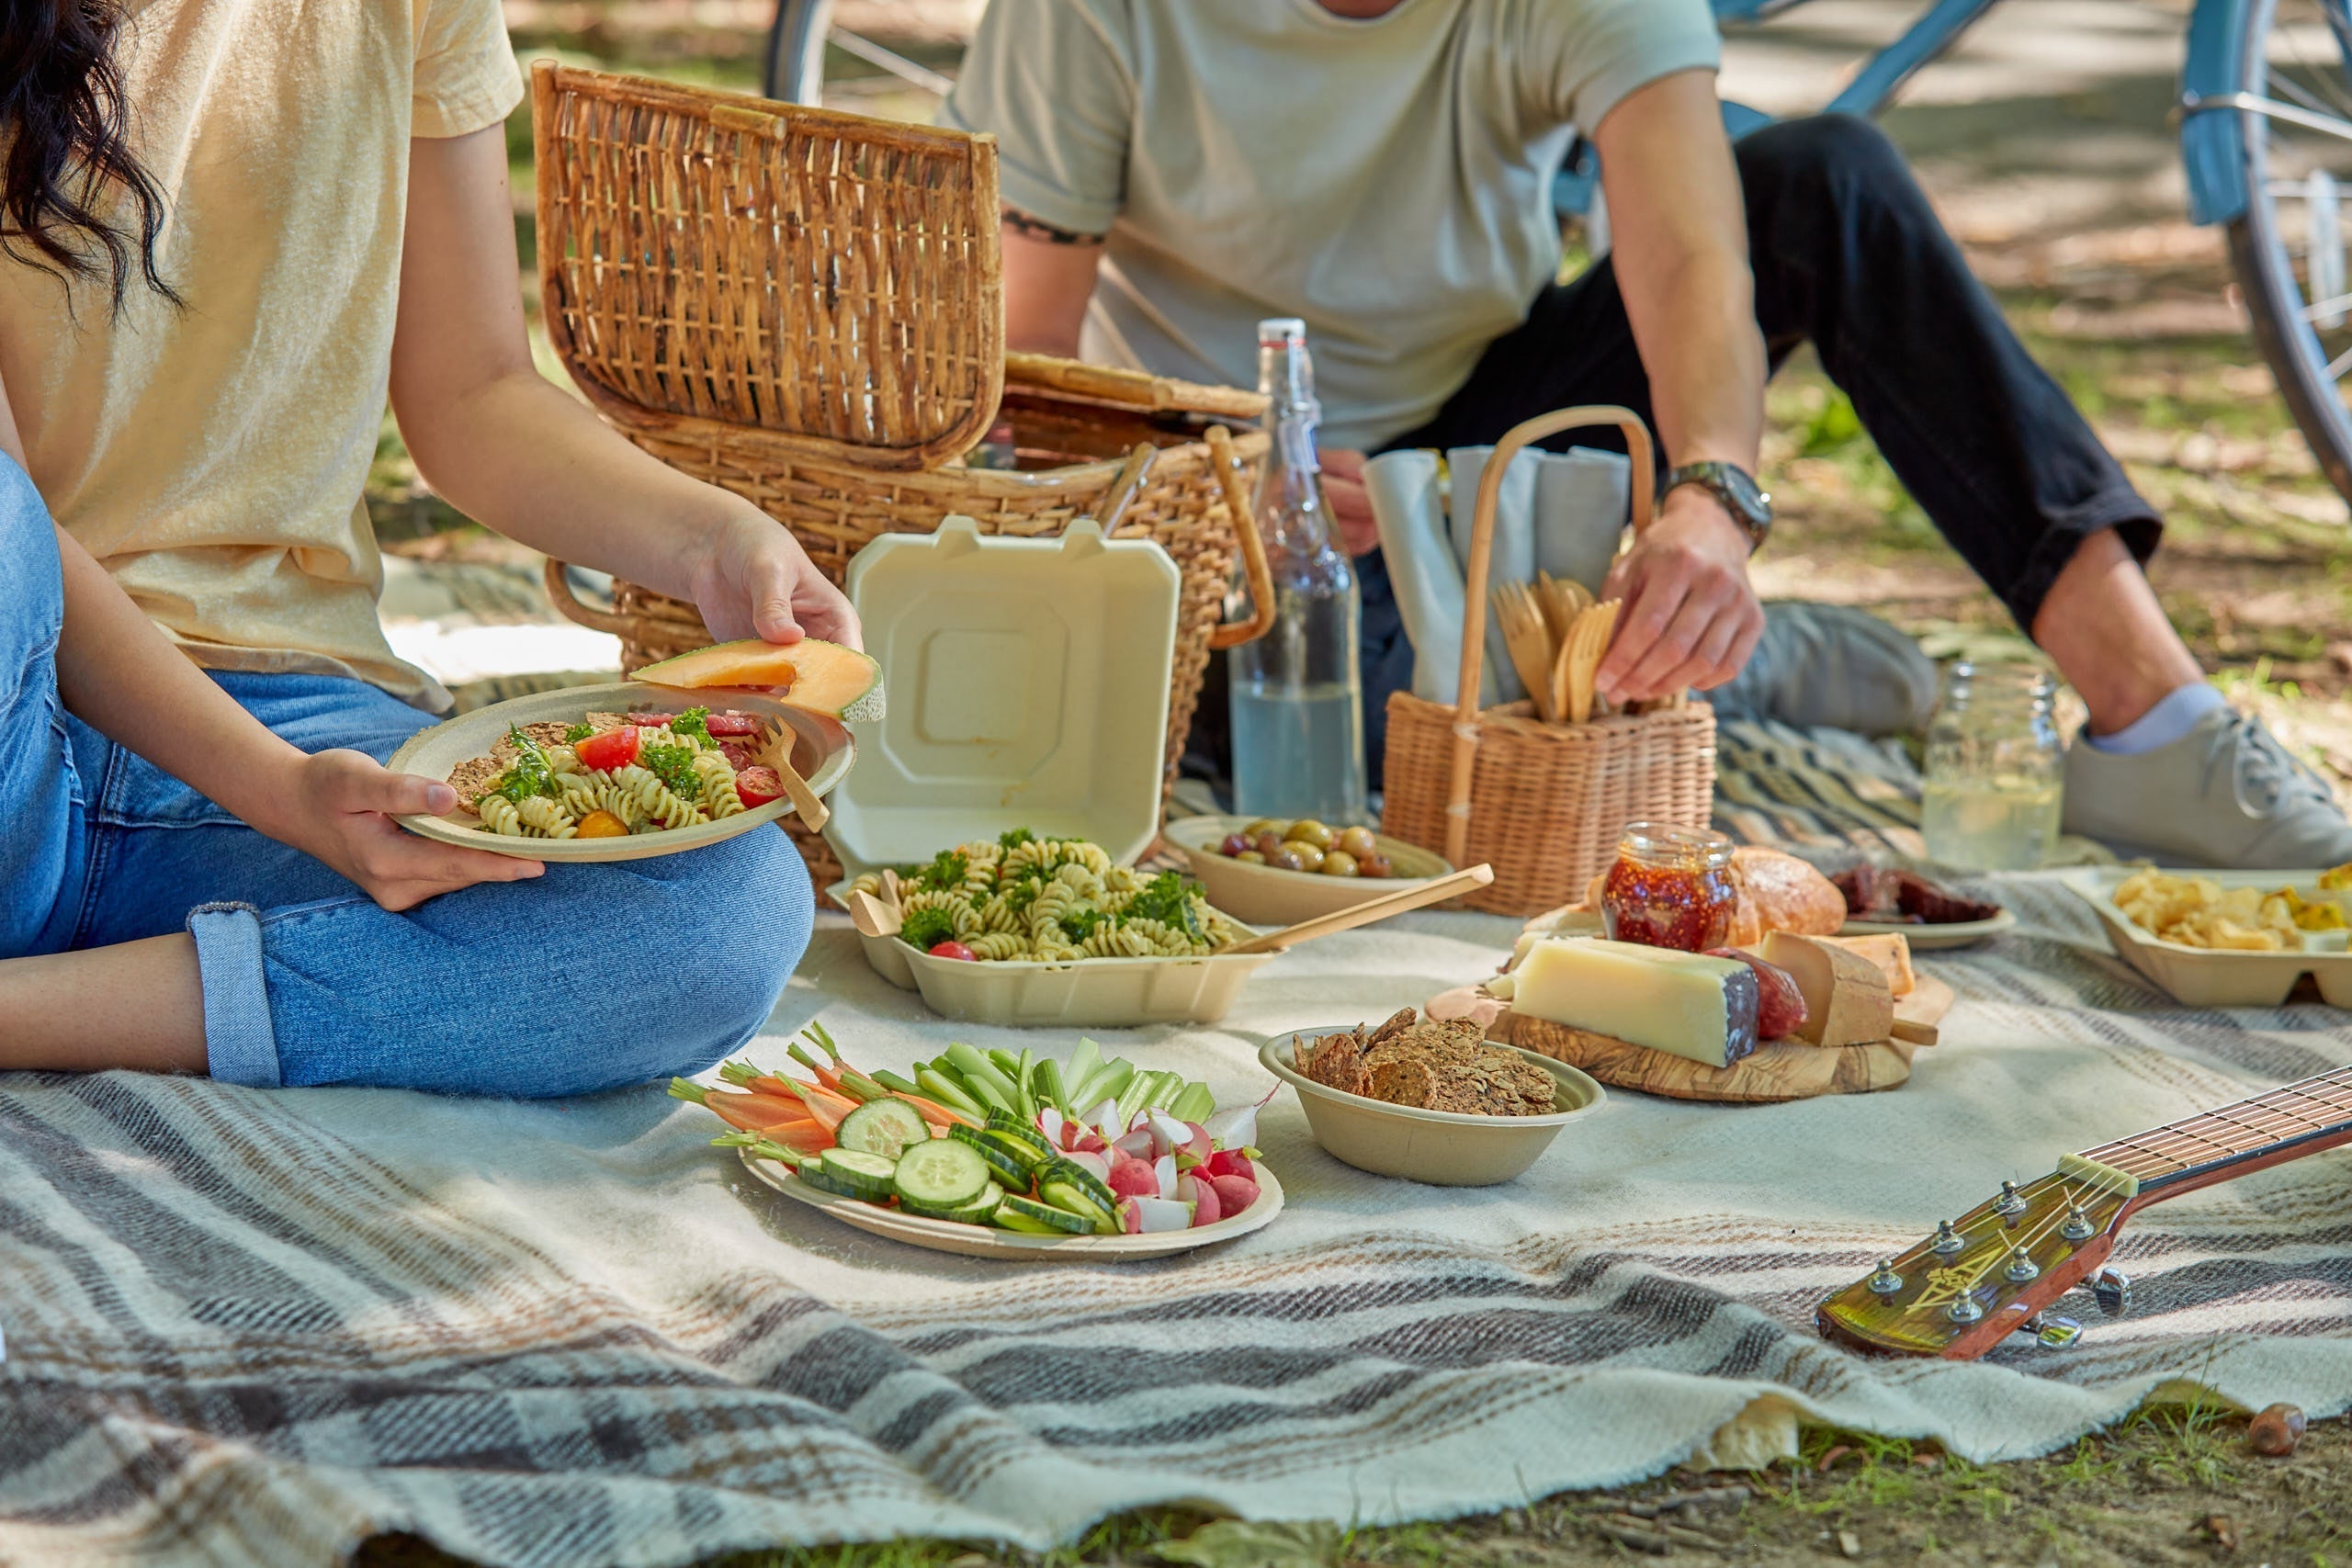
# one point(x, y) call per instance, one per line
point(1284, 329)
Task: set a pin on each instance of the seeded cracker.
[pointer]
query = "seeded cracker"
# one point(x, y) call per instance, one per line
point(1433, 1065)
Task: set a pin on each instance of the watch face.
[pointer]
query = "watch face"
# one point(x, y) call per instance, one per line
point(1749, 500)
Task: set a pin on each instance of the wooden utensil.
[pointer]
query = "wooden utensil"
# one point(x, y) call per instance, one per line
point(812, 811)
point(1580, 656)
point(891, 889)
point(1435, 891)
point(871, 916)
point(1525, 634)
point(1560, 601)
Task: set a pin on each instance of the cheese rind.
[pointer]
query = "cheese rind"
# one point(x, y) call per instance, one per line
point(1685, 1004)
point(1891, 951)
point(1846, 998)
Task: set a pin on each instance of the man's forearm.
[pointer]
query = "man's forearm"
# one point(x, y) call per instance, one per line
point(519, 455)
point(1694, 322)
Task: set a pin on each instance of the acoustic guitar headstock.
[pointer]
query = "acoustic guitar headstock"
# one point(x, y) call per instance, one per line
point(1993, 1271)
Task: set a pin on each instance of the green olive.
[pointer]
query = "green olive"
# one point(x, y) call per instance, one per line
point(1310, 855)
point(1306, 831)
point(1249, 857)
point(1339, 863)
point(1263, 825)
point(1375, 865)
point(1286, 859)
point(1359, 843)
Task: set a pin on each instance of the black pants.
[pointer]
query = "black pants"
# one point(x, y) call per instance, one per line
point(1847, 254)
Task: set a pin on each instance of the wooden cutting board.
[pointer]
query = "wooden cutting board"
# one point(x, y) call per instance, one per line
point(1775, 1071)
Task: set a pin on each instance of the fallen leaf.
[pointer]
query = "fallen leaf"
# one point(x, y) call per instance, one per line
point(2224, 1533)
point(1251, 1543)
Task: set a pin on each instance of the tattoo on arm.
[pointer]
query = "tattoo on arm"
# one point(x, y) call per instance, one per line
point(1038, 229)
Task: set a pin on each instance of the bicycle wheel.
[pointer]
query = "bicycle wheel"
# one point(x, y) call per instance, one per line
point(2289, 247)
point(793, 69)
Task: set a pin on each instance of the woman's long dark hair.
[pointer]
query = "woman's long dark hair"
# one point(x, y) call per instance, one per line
point(64, 122)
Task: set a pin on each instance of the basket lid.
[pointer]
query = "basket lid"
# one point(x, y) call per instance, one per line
point(1028, 683)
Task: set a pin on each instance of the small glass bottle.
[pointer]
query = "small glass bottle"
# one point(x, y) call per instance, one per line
point(1670, 887)
point(1297, 696)
point(1993, 786)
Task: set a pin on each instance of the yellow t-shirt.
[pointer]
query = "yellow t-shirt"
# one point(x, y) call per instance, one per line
point(214, 458)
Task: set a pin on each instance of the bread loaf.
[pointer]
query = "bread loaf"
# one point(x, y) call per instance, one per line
point(1777, 892)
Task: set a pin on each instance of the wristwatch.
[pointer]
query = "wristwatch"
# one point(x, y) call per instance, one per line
point(1736, 489)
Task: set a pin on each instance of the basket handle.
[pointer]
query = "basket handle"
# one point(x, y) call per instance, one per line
point(569, 606)
point(1482, 542)
point(1255, 571)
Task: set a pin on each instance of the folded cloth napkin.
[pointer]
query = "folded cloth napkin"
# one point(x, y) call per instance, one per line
point(1556, 512)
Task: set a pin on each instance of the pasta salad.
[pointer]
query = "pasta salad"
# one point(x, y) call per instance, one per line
point(1022, 899)
point(616, 774)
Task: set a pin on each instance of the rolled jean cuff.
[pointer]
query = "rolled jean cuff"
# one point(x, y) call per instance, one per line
point(2122, 509)
point(239, 1046)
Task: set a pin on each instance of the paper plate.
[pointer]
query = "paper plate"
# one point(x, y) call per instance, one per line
point(821, 753)
point(986, 1241)
point(1929, 938)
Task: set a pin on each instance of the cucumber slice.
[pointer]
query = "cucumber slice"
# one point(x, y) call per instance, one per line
point(869, 1174)
point(1014, 1129)
point(1075, 1175)
point(1019, 1213)
point(975, 1212)
point(813, 1173)
point(1072, 1199)
point(885, 1127)
point(944, 1173)
point(1009, 1167)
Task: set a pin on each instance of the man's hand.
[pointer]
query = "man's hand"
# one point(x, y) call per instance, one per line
point(339, 805)
point(1350, 502)
point(751, 578)
point(1691, 618)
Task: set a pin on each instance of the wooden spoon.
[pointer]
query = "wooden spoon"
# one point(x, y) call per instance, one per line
point(871, 916)
point(1435, 891)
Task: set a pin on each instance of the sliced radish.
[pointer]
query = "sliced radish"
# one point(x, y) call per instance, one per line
point(1163, 1170)
point(1203, 1196)
point(1093, 1164)
point(1130, 1217)
point(1136, 1143)
point(1229, 1162)
point(1101, 1116)
point(1238, 1128)
point(1155, 1215)
point(1135, 1179)
point(1200, 1144)
point(1233, 1193)
point(1168, 1134)
point(1049, 1121)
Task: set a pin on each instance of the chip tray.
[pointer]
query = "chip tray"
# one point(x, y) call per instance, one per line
point(2209, 978)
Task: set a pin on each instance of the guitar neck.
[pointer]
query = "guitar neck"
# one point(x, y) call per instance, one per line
point(2196, 1151)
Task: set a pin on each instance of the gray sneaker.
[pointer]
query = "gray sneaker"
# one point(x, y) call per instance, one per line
point(2226, 795)
point(1831, 665)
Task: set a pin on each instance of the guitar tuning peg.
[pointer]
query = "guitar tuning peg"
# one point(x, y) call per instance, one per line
point(2112, 1290)
point(2011, 1202)
point(2078, 1227)
point(2022, 1267)
point(2052, 1332)
point(1948, 1240)
point(1886, 1281)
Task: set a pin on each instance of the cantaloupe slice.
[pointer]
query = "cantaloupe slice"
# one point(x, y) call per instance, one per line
point(822, 677)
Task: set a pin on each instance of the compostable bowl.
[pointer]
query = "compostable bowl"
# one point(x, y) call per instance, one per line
point(1440, 1147)
point(1269, 896)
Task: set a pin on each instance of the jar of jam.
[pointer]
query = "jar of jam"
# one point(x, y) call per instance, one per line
point(1670, 887)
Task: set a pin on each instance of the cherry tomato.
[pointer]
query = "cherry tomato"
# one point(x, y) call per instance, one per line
point(757, 787)
point(613, 749)
point(950, 948)
point(602, 825)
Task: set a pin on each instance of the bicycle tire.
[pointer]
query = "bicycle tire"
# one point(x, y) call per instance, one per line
point(2262, 257)
point(792, 71)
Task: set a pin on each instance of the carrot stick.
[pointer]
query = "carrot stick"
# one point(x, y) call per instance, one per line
point(748, 1112)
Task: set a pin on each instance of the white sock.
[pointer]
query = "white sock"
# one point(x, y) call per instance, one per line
point(2175, 715)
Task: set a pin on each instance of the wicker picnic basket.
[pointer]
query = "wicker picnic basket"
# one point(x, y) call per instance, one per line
point(1544, 804)
point(806, 308)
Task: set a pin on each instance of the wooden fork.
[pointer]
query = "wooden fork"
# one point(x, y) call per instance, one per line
point(1561, 602)
point(1521, 620)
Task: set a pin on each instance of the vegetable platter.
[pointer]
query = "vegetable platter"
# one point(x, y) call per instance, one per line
point(821, 752)
point(991, 1153)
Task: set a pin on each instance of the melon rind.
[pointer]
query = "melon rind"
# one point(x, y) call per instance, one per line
point(745, 669)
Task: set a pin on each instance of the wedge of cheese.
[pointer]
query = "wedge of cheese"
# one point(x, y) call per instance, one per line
point(1847, 999)
point(1890, 952)
point(1685, 1004)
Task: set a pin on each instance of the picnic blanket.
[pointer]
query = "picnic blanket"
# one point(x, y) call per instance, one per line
point(254, 1328)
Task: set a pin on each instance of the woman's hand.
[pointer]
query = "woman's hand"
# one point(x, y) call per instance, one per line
point(338, 807)
point(751, 578)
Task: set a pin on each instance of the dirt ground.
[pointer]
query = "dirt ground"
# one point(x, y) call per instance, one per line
point(2045, 143)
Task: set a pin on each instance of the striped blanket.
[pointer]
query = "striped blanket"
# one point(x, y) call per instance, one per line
point(253, 1328)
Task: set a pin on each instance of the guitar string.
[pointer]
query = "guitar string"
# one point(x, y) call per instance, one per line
point(2176, 1134)
point(2099, 1193)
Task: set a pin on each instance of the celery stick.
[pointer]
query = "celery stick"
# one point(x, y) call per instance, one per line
point(1082, 1063)
point(1048, 1086)
point(1192, 1103)
point(979, 1071)
point(1109, 1082)
point(1025, 1095)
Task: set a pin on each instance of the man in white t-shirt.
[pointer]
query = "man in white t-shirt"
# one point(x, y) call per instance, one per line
point(1175, 170)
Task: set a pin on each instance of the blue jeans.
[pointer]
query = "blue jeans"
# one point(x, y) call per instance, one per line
point(589, 977)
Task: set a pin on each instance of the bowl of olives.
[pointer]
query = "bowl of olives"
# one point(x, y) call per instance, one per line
point(1272, 872)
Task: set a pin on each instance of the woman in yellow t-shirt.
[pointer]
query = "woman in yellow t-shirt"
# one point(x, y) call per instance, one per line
point(229, 231)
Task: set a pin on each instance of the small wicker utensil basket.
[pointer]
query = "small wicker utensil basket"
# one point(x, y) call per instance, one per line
point(1544, 804)
point(805, 307)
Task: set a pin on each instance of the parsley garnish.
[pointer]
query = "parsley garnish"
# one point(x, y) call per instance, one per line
point(530, 774)
point(1012, 840)
point(926, 929)
point(578, 733)
point(1166, 898)
point(1080, 923)
point(673, 765)
point(695, 721)
point(947, 869)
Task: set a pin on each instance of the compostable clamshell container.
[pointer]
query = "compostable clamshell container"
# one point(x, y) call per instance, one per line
point(1028, 683)
point(2220, 978)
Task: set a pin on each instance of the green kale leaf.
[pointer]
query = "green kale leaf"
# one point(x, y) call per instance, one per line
point(1166, 898)
point(674, 766)
point(1081, 922)
point(926, 929)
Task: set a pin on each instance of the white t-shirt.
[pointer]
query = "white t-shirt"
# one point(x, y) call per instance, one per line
point(1387, 180)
